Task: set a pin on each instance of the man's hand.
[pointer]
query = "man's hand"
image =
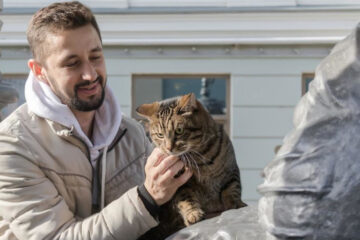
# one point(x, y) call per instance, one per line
point(160, 170)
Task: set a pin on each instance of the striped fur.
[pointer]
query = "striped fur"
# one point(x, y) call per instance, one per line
point(181, 126)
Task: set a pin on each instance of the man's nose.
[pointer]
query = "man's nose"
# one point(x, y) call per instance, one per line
point(89, 73)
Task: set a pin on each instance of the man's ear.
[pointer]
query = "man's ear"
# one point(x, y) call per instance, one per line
point(37, 70)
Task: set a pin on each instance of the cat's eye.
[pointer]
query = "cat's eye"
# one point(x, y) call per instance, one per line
point(179, 131)
point(160, 135)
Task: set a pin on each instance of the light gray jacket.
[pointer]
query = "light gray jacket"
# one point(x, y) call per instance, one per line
point(46, 182)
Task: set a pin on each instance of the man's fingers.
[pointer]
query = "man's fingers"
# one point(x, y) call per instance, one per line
point(170, 172)
point(183, 178)
point(155, 158)
point(160, 171)
point(167, 163)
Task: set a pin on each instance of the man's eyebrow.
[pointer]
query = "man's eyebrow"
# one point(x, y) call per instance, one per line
point(69, 57)
point(96, 49)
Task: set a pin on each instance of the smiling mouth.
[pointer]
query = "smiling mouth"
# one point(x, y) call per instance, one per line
point(89, 89)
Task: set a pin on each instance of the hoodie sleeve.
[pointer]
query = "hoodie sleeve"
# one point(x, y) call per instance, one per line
point(31, 207)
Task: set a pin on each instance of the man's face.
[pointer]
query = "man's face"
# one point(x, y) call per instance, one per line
point(74, 67)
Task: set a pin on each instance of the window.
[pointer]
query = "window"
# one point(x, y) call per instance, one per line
point(306, 79)
point(211, 90)
point(12, 93)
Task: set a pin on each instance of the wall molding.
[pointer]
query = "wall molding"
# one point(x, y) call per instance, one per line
point(41, 3)
point(195, 52)
point(155, 3)
point(184, 3)
point(246, 28)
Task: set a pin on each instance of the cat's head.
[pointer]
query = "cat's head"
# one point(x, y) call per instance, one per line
point(176, 125)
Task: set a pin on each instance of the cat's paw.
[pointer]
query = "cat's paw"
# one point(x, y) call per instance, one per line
point(194, 216)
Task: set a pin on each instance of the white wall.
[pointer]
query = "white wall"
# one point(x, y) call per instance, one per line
point(263, 52)
point(264, 91)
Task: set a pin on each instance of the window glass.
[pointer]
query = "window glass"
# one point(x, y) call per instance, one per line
point(211, 91)
point(306, 80)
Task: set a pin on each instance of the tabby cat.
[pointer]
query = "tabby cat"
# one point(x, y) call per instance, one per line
point(182, 127)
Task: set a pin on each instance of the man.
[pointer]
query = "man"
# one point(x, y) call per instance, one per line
point(71, 166)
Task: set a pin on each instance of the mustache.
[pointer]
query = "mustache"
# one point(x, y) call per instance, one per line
point(86, 83)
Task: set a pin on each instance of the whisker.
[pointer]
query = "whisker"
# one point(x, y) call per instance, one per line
point(198, 170)
point(193, 163)
point(187, 163)
point(200, 157)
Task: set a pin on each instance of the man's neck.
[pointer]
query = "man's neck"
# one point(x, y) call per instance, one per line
point(86, 120)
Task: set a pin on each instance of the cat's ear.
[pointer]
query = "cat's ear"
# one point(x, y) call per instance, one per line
point(187, 104)
point(148, 109)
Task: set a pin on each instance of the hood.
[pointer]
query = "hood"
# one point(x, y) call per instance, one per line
point(43, 102)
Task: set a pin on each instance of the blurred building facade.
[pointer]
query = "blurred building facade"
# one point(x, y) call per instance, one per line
point(258, 56)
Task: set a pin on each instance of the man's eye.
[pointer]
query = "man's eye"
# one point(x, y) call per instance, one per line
point(95, 57)
point(71, 64)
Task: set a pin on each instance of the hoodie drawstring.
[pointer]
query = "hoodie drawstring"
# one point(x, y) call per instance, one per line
point(103, 173)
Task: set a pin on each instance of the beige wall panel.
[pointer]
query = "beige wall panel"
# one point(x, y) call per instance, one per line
point(13, 66)
point(255, 153)
point(126, 111)
point(261, 122)
point(266, 90)
point(250, 180)
point(121, 87)
point(248, 66)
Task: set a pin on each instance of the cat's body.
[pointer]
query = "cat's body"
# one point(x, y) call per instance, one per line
point(182, 127)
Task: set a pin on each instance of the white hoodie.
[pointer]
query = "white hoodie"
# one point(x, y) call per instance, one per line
point(43, 102)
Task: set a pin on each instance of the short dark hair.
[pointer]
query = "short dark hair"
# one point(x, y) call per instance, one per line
point(57, 17)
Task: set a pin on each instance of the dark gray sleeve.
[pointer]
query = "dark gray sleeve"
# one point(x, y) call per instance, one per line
point(149, 202)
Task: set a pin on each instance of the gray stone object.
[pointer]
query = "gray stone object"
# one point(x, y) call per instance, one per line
point(311, 188)
point(7, 95)
point(237, 224)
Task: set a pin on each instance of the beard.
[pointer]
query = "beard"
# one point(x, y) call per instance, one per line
point(93, 103)
point(88, 105)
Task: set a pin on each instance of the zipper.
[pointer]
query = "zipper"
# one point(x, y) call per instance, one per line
point(86, 147)
point(99, 159)
point(116, 141)
point(96, 174)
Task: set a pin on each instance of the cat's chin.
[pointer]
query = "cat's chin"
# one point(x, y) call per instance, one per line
point(173, 153)
point(177, 154)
